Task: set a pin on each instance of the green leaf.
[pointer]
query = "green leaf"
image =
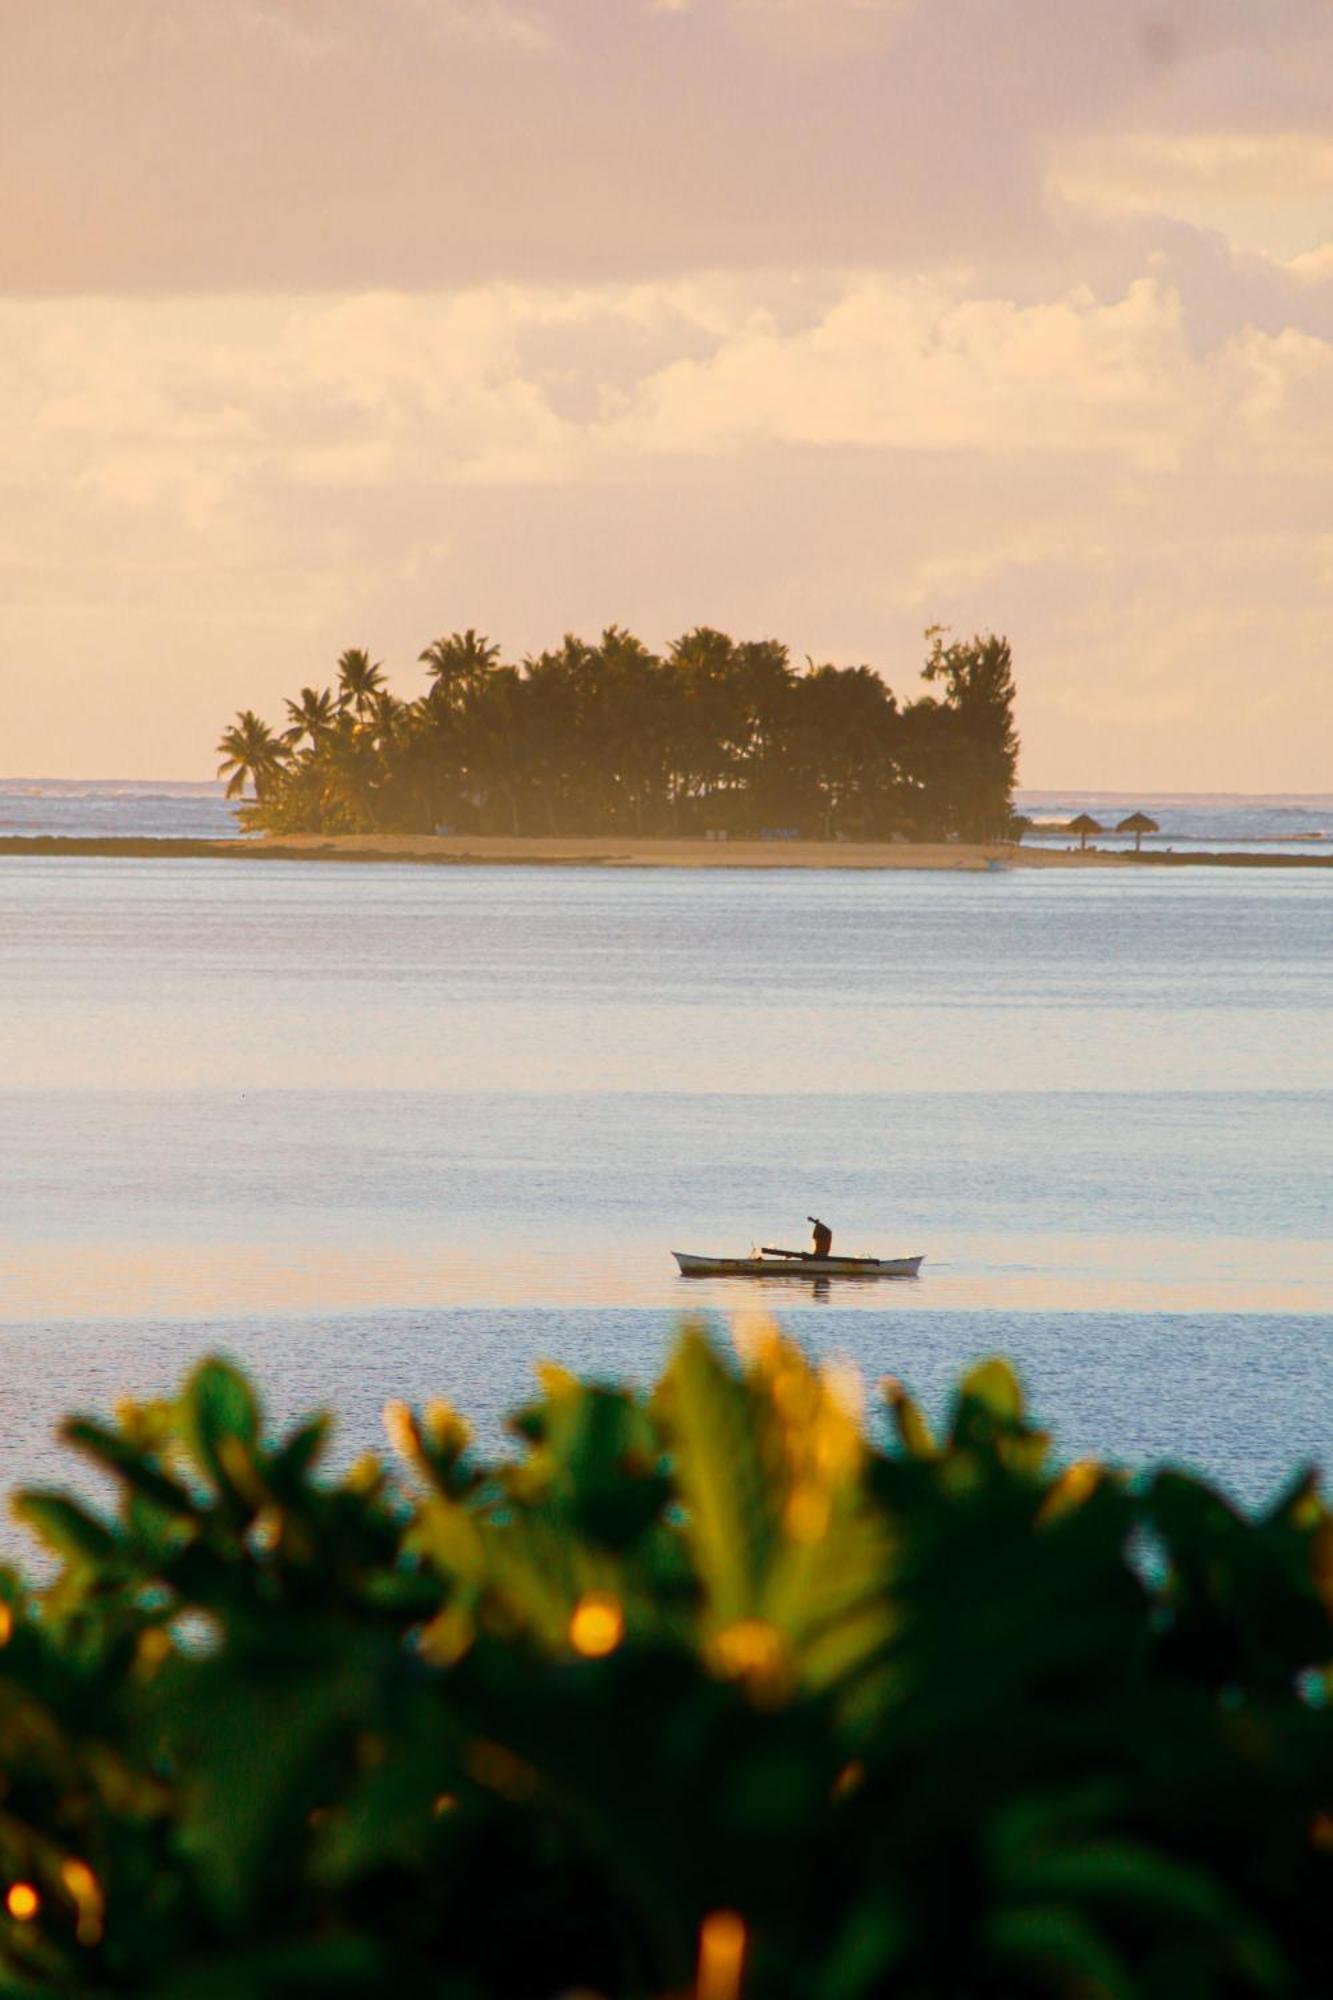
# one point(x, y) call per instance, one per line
point(720, 1476)
point(67, 1529)
point(994, 1384)
point(260, 1735)
point(909, 1422)
point(108, 1448)
point(869, 1942)
point(219, 1417)
point(222, 1402)
point(1051, 1940)
point(1124, 1871)
point(317, 1967)
point(298, 1454)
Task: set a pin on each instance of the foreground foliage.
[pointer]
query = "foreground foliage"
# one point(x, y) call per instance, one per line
point(701, 1691)
point(714, 736)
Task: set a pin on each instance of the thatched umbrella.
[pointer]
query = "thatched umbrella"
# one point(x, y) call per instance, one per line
point(1138, 824)
point(1084, 825)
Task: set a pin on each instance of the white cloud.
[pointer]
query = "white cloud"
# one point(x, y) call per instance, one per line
point(248, 485)
point(1270, 192)
point(132, 403)
point(1313, 267)
point(911, 368)
point(506, 382)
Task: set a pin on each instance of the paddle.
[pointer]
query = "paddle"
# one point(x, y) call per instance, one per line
point(809, 1256)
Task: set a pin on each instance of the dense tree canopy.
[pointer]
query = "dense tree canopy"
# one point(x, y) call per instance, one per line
point(714, 735)
point(711, 1690)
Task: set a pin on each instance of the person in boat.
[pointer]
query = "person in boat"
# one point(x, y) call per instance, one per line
point(823, 1236)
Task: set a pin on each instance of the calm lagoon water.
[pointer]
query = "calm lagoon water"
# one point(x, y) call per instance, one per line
point(1279, 822)
point(392, 1130)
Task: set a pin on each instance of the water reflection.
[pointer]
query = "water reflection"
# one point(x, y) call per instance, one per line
point(288, 1090)
point(168, 1278)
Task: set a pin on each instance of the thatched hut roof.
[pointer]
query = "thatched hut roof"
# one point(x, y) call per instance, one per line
point(1138, 823)
point(1085, 823)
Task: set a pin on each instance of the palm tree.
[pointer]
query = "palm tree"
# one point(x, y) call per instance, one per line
point(249, 751)
point(351, 772)
point(313, 715)
point(458, 665)
point(493, 759)
point(360, 680)
point(384, 716)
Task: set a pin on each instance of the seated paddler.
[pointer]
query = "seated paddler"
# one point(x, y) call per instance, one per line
point(823, 1236)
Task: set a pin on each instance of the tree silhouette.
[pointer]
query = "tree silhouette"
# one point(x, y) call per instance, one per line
point(359, 680)
point(312, 715)
point(250, 752)
point(458, 665)
point(715, 734)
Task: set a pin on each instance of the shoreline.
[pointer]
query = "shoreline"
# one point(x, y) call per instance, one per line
point(498, 850)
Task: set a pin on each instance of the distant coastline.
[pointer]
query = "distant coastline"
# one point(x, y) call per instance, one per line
point(181, 810)
point(494, 850)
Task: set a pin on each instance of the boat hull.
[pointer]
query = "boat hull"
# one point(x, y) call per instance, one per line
point(692, 1266)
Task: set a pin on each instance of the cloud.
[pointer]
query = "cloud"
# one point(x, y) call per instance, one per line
point(188, 29)
point(484, 25)
point(818, 27)
point(1266, 191)
point(919, 367)
point(207, 499)
point(330, 321)
point(800, 28)
point(533, 384)
point(300, 32)
point(1315, 267)
point(776, 9)
point(163, 146)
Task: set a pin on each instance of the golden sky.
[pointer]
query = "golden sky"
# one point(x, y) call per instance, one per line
point(348, 322)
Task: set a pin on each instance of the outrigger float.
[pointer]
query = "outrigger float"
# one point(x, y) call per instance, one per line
point(769, 1263)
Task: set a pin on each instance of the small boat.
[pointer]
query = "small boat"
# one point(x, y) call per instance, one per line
point(795, 1264)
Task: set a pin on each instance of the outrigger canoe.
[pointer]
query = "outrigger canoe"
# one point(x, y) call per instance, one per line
point(795, 1264)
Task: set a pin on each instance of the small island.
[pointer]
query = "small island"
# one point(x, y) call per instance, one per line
point(716, 753)
point(714, 738)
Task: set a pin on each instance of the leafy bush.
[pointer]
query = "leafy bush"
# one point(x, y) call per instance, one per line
point(701, 1692)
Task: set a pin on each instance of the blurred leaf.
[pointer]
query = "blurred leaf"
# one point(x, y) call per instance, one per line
point(930, 1720)
point(136, 1467)
point(66, 1528)
point(909, 1422)
point(1063, 1949)
point(219, 1408)
point(994, 1384)
point(720, 1476)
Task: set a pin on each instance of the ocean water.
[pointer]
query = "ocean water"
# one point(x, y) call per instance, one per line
point(397, 1131)
point(106, 808)
point(1238, 823)
point(1293, 823)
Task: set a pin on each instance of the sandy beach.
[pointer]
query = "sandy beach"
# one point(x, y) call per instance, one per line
point(463, 850)
point(610, 852)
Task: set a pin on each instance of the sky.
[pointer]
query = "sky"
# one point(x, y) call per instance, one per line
point(351, 322)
